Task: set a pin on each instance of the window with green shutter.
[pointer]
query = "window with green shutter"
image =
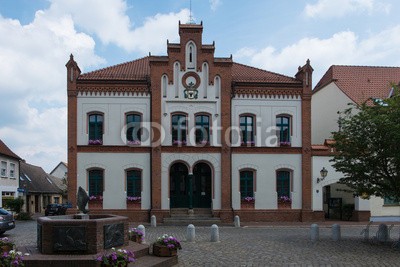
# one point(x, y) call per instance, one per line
point(134, 183)
point(96, 182)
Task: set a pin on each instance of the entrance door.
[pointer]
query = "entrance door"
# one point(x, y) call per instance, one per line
point(179, 194)
point(202, 186)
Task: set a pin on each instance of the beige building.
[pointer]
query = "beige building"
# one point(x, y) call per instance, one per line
point(9, 173)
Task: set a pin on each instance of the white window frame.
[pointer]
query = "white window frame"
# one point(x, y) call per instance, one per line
point(3, 170)
point(12, 170)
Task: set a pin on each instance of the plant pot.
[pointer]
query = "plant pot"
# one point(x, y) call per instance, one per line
point(96, 204)
point(163, 251)
point(136, 238)
point(284, 205)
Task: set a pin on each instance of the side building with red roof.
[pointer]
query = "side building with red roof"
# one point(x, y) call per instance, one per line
point(9, 173)
point(340, 86)
point(191, 132)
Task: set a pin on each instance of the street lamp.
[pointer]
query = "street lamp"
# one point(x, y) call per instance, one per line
point(324, 173)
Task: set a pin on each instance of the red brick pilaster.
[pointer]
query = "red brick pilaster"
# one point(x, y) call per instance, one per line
point(305, 75)
point(73, 73)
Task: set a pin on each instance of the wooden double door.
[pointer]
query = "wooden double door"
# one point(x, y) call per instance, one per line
point(182, 185)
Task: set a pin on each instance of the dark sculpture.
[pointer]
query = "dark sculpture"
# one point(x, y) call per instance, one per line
point(83, 199)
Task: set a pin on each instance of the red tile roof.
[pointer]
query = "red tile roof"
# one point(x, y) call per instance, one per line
point(4, 150)
point(360, 83)
point(244, 73)
point(133, 70)
point(140, 69)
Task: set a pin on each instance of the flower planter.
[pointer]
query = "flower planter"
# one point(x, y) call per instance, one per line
point(133, 205)
point(284, 205)
point(5, 248)
point(136, 238)
point(247, 205)
point(163, 251)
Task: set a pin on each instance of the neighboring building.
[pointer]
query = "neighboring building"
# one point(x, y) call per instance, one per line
point(340, 86)
point(60, 171)
point(9, 173)
point(40, 188)
point(201, 103)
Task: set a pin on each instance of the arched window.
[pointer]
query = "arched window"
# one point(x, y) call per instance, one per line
point(133, 130)
point(95, 128)
point(246, 184)
point(179, 129)
point(205, 78)
point(164, 83)
point(202, 129)
point(283, 187)
point(284, 131)
point(217, 85)
point(191, 55)
point(246, 124)
point(133, 183)
point(96, 182)
point(177, 67)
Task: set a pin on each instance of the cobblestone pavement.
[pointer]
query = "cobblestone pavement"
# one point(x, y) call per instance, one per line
point(263, 246)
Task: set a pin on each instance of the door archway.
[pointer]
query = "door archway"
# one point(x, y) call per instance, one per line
point(179, 188)
point(202, 188)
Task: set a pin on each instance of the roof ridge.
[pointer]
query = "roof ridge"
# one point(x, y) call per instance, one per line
point(275, 73)
point(366, 66)
point(113, 66)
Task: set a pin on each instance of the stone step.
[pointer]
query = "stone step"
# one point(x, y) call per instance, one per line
point(141, 251)
point(185, 211)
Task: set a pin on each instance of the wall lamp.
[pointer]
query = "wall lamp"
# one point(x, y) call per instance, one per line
point(324, 173)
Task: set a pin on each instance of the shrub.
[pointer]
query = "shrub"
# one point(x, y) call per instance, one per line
point(23, 216)
point(14, 204)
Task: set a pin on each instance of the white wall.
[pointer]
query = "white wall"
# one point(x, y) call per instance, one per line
point(324, 107)
point(7, 183)
point(191, 159)
point(60, 171)
point(266, 167)
point(114, 108)
point(266, 110)
point(114, 165)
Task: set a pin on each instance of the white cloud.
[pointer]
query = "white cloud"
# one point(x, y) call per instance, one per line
point(109, 21)
point(215, 4)
point(340, 8)
point(343, 48)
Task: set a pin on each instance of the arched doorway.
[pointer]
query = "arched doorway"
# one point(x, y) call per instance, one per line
point(179, 189)
point(202, 185)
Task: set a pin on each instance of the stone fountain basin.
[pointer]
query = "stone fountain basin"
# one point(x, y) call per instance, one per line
point(81, 234)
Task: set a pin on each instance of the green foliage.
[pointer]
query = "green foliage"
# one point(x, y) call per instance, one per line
point(14, 204)
point(368, 146)
point(23, 216)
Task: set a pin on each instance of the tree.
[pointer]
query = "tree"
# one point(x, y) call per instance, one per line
point(368, 148)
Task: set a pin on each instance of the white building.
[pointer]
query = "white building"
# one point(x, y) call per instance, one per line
point(340, 86)
point(9, 173)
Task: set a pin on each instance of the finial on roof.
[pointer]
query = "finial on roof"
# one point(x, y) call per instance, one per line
point(308, 61)
point(167, 41)
point(71, 57)
point(231, 56)
point(191, 20)
point(299, 68)
point(213, 43)
point(149, 54)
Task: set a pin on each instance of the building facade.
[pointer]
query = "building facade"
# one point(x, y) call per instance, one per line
point(339, 87)
point(9, 173)
point(191, 131)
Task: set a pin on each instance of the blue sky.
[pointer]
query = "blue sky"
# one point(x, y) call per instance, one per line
point(38, 36)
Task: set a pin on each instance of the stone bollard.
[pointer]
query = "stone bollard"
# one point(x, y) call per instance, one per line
point(237, 221)
point(336, 235)
point(314, 233)
point(214, 233)
point(141, 228)
point(190, 233)
point(153, 221)
point(383, 234)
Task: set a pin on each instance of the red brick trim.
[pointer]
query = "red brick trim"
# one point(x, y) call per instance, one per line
point(266, 150)
point(114, 149)
point(361, 215)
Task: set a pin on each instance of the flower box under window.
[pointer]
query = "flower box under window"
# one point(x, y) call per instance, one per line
point(285, 144)
point(95, 142)
point(178, 143)
point(248, 143)
point(134, 142)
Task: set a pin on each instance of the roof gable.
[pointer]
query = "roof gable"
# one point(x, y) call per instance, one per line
point(361, 83)
point(4, 150)
point(36, 180)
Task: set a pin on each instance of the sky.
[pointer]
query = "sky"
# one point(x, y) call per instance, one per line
point(38, 36)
